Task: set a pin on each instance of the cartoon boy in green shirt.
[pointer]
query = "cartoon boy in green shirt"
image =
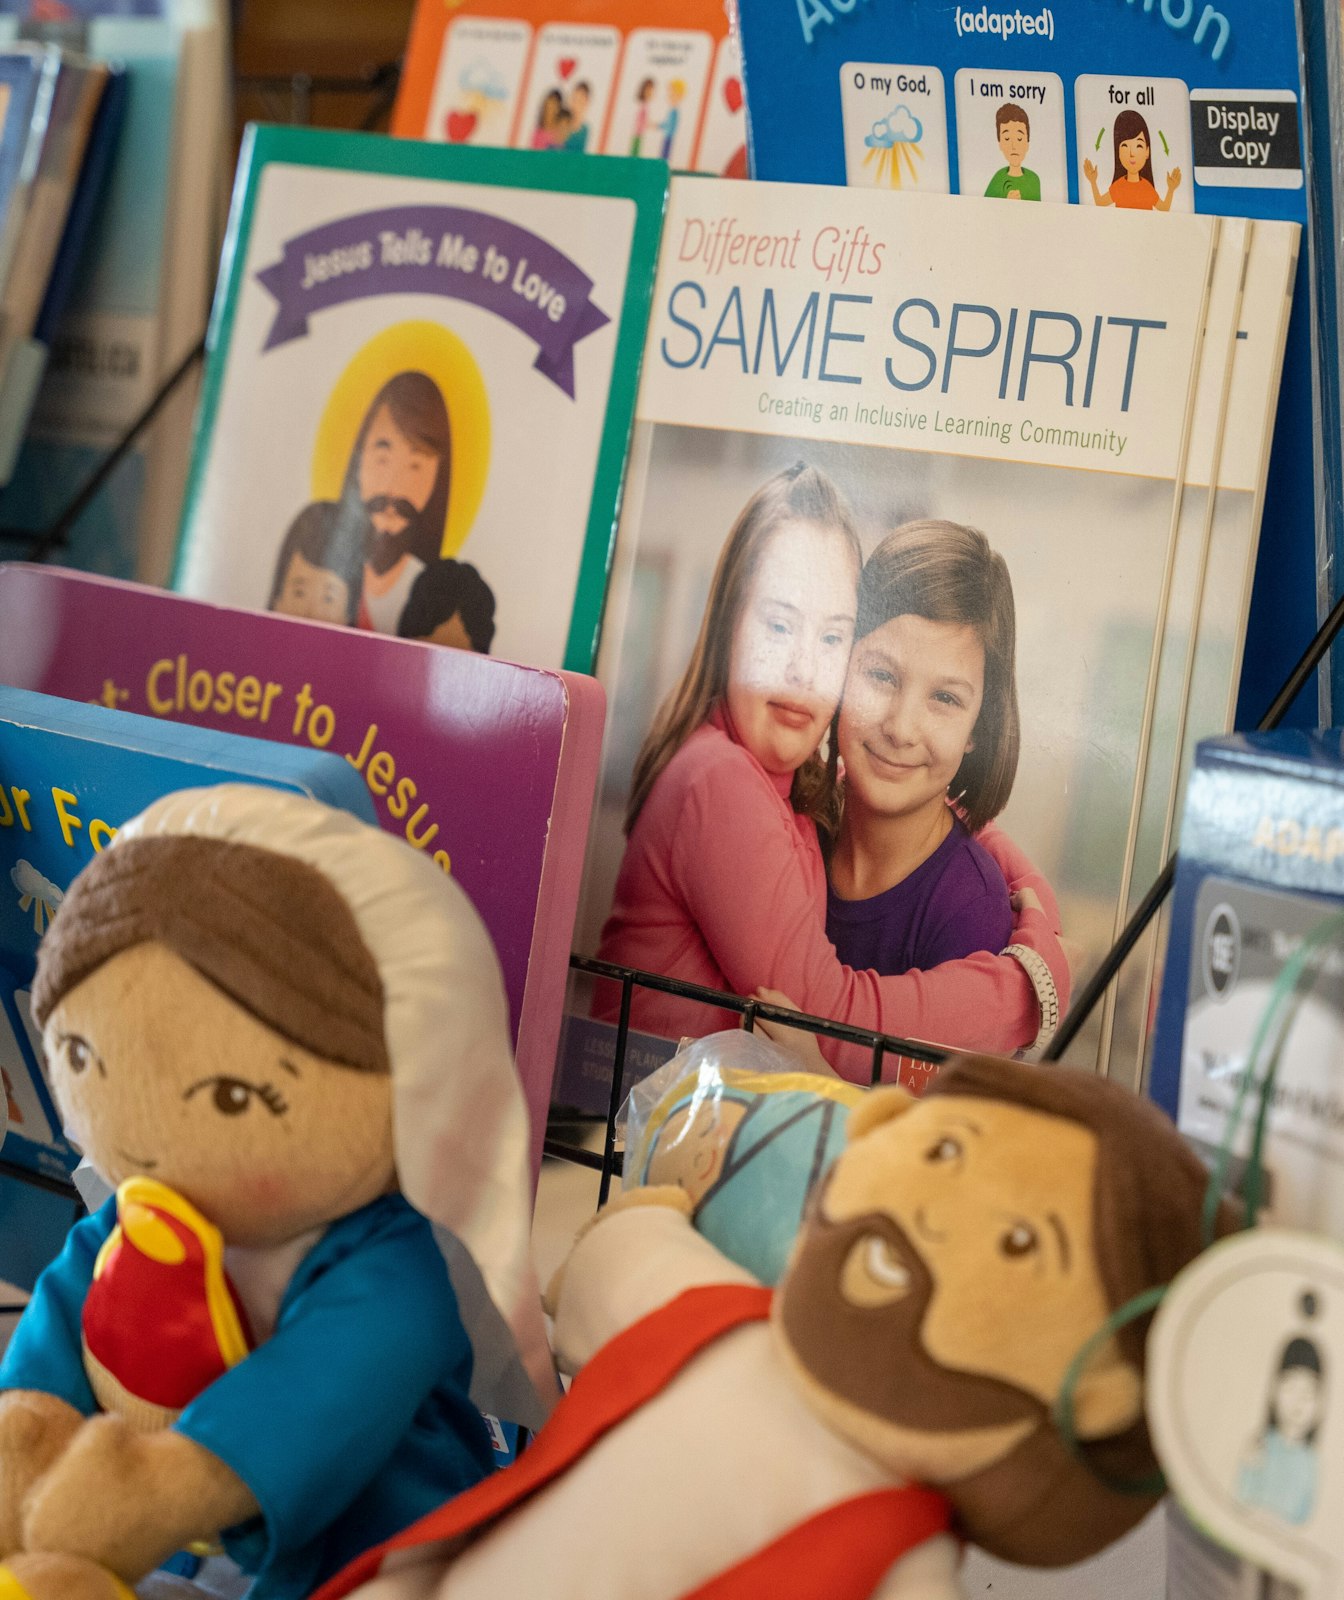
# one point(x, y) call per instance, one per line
point(1013, 182)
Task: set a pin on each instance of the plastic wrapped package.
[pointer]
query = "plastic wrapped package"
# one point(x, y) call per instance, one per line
point(732, 1120)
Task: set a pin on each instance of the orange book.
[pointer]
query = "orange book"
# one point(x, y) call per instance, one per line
point(658, 78)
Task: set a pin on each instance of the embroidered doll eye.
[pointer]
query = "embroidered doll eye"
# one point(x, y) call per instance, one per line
point(79, 1053)
point(947, 1149)
point(884, 1264)
point(231, 1097)
point(1020, 1240)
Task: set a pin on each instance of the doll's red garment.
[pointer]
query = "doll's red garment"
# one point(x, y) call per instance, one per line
point(161, 1321)
point(843, 1551)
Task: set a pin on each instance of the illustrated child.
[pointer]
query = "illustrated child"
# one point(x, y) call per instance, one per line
point(722, 882)
point(281, 1034)
point(451, 604)
point(929, 715)
point(577, 137)
point(1280, 1470)
point(1133, 188)
point(676, 93)
point(544, 135)
point(642, 97)
point(320, 566)
point(1013, 182)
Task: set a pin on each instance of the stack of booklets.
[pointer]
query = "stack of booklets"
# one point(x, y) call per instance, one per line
point(60, 116)
point(656, 78)
point(140, 294)
point(1052, 414)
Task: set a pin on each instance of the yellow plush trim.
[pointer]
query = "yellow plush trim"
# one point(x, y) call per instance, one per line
point(839, 1089)
point(12, 1589)
point(224, 1320)
point(100, 1261)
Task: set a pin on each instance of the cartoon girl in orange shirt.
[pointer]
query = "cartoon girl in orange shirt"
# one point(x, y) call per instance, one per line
point(1133, 187)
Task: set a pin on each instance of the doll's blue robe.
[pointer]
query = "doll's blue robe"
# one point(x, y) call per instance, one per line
point(348, 1424)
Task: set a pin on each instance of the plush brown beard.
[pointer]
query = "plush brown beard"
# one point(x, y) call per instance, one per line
point(1037, 1504)
point(874, 1356)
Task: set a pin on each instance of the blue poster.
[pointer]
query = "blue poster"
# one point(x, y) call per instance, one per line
point(1159, 105)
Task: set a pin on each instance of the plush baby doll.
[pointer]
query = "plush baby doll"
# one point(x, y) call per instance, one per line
point(724, 1443)
point(281, 1036)
point(746, 1136)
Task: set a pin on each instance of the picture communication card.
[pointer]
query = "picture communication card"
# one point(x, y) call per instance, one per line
point(621, 77)
point(418, 398)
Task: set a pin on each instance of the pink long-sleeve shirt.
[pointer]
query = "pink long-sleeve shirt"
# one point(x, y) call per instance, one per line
point(723, 884)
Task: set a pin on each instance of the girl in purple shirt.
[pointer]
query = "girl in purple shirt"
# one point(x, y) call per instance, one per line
point(929, 715)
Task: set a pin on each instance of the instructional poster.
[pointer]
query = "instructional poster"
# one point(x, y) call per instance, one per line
point(417, 407)
point(658, 78)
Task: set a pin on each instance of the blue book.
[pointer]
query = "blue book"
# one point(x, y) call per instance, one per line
point(70, 775)
point(141, 291)
point(77, 150)
point(77, 10)
point(912, 94)
point(1261, 870)
point(26, 83)
point(93, 176)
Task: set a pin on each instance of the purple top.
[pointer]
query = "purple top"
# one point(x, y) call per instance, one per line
point(950, 906)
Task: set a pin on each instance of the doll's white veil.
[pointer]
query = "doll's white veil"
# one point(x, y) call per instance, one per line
point(460, 1124)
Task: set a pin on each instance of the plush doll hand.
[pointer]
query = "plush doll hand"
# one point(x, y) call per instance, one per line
point(47, 1577)
point(670, 1195)
point(91, 1503)
point(34, 1429)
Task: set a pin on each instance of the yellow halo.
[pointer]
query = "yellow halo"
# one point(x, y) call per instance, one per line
point(440, 354)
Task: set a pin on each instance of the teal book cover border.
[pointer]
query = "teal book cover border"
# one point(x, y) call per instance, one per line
point(643, 181)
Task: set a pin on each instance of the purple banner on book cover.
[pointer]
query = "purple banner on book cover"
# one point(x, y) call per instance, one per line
point(487, 767)
point(444, 250)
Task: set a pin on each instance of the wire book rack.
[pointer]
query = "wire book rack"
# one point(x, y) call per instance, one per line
point(880, 1047)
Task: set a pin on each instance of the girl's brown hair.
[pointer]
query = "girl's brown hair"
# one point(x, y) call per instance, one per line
point(945, 572)
point(1130, 125)
point(798, 494)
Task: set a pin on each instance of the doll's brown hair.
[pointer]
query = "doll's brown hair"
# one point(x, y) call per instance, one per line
point(1147, 1200)
point(269, 931)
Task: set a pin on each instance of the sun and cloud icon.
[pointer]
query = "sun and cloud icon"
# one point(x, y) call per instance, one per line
point(894, 145)
point(36, 894)
point(481, 78)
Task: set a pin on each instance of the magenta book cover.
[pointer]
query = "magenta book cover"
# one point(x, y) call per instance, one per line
point(486, 766)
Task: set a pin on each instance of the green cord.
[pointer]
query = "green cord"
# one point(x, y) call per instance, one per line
point(1286, 985)
point(1062, 1411)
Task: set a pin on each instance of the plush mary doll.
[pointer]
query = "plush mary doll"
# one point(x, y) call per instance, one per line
point(281, 1036)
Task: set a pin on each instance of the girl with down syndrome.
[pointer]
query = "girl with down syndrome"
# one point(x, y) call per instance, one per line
point(723, 882)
